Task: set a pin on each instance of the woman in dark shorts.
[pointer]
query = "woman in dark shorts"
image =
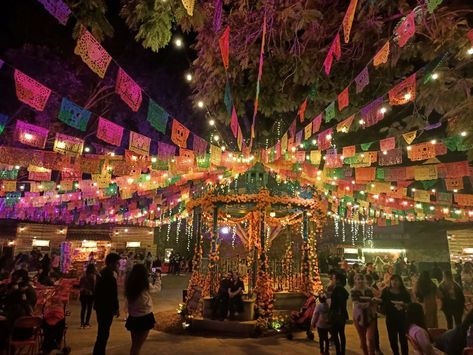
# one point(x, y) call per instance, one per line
point(140, 307)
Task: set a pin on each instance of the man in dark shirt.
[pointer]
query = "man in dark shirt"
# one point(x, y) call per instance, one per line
point(235, 293)
point(221, 300)
point(106, 301)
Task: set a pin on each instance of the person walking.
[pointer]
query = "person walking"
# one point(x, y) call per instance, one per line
point(453, 300)
point(140, 307)
point(364, 314)
point(87, 288)
point(426, 293)
point(338, 314)
point(106, 301)
point(395, 299)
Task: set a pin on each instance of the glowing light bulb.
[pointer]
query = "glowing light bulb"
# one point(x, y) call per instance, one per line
point(463, 134)
point(435, 76)
point(200, 104)
point(28, 136)
point(433, 141)
point(470, 51)
point(409, 147)
point(212, 122)
point(222, 148)
point(189, 77)
point(17, 167)
point(154, 159)
point(362, 122)
point(408, 96)
point(385, 152)
point(383, 110)
point(178, 42)
point(87, 149)
point(272, 214)
point(314, 142)
point(216, 138)
point(328, 137)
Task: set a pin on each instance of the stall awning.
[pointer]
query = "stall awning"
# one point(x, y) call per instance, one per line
point(88, 233)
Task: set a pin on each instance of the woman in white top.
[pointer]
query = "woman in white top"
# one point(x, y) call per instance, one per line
point(417, 332)
point(140, 307)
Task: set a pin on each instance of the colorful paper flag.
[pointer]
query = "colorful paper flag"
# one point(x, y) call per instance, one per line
point(179, 134)
point(234, 122)
point(343, 99)
point(302, 109)
point(348, 20)
point(215, 154)
point(109, 132)
point(362, 79)
point(406, 29)
point(129, 90)
point(157, 117)
point(308, 131)
point(403, 92)
point(189, 6)
point(37, 173)
point(372, 113)
point(316, 122)
point(382, 56)
point(349, 151)
point(73, 115)
point(224, 43)
point(92, 53)
point(336, 48)
point(199, 145)
point(69, 145)
point(345, 125)
point(3, 122)
point(29, 134)
point(31, 92)
point(324, 139)
point(227, 98)
point(409, 136)
point(58, 9)
point(387, 144)
point(330, 112)
point(139, 143)
point(166, 151)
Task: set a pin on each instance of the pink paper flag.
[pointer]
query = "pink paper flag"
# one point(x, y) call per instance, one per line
point(387, 144)
point(29, 134)
point(234, 122)
point(292, 129)
point(31, 92)
point(316, 123)
point(328, 62)
point(406, 29)
point(139, 144)
point(199, 145)
point(325, 139)
point(92, 53)
point(336, 48)
point(166, 151)
point(65, 144)
point(362, 80)
point(128, 90)
point(109, 132)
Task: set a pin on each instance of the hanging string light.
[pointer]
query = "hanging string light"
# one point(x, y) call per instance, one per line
point(343, 230)
point(335, 223)
point(233, 236)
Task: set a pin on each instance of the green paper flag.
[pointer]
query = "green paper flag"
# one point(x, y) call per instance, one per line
point(157, 117)
point(3, 122)
point(330, 112)
point(427, 184)
point(379, 174)
point(366, 146)
point(227, 98)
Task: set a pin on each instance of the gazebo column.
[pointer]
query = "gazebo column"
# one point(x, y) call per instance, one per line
point(262, 241)
point(213, 253)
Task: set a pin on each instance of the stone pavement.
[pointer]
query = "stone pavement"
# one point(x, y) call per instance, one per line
point(82, 340)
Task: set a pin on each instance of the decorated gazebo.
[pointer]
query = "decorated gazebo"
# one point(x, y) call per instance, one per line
point(258, 207)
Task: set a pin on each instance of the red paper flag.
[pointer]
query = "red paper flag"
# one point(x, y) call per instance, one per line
point(29, 134)
point(224, 43)
point(470, 36)
point(109, 132)
point(129, 90)
point(343, 99)
point(406, 29)
point(31, 92)
point(387, 144)
point(336, 47)
point(328, 62)
point(302, 110)
point(403, 92)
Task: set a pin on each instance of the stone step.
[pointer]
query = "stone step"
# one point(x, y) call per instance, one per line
point(242, 329)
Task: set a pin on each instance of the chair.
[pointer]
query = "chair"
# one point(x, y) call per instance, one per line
point(436, 333)
point(32, 344)
point(468, 351)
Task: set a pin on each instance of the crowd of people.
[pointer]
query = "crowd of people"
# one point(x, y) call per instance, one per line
point(409, 313)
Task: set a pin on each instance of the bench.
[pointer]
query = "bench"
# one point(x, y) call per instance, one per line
point(248, 313)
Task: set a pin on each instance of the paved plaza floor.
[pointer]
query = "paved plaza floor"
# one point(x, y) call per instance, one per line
point(82, 340)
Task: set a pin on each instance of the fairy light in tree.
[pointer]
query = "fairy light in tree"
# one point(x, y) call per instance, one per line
point(233, 236)
point(169, 227)
point(343, 230)
point(178, 42)
point(336, 226)
point(363, 230)
point(189, 77)
point(200, 104)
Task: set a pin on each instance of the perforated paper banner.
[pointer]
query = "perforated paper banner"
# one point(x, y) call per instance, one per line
point(452, 184)
point(37, 173)
point(8, 186)
point(365, 174)
point(372, 113)
point(333, 161)
point(284, 142)
point(315, 157)
point(65, 144)
point(299, 137)
point(433, 4)
point(227, 98)
point(409, 136)
point(343, 99)
point(316, 122)
point(157, 117)
point(336, 48)
point(240, 138)
point(403, 92)
point(58, 9)
point(324, 140)
point(292, 129)
point(390, 157)
point(189, 6)
point(382, 56)
point(215, 154)
point(109, 132)
point(234, 122)
point(166, 151)
point(345, 125)
point(199, 145)
point(301, 111)
point(422, 196)
point(31, 92)
point(129, 90)
point(29, 134)
point(348, 20)
point(92, 53)
point(308, 131)
point(406, 29)
point(464, 199)
point(421, 151)
point(328, 62)
point(139, 144)
point(224, 43)
point(73, 115)
point(349, 151)
point(387, 143)
point(330, 112)
point(362, 79)
point(425, 172)
point(179, 134)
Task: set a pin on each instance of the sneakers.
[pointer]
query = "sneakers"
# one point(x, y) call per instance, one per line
point(87, 326)
point(82, 326)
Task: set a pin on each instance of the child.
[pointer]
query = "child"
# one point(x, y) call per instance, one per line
point(320, 318)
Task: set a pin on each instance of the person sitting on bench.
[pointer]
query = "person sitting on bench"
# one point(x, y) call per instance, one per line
point(235, 293)
point(221, 300)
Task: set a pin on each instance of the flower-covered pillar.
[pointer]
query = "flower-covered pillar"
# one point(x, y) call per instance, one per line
point(311, 282)
point(214, 255)
point(197, 280)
